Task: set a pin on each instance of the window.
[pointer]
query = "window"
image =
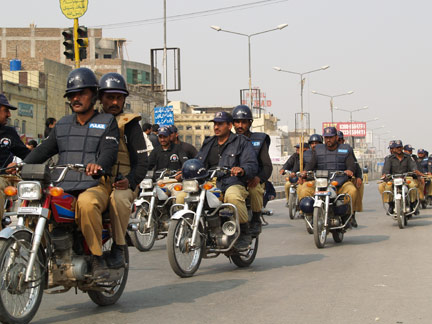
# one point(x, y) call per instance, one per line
point(188, 127)
point(206, 127)
point(147, 77)
point(16, 123)
point(189, 139)
point(197, 127)
point(23, 127)
point(97, 55)
point(107, 56)
point(197, 142)
point(181, 138)
point(180, 127)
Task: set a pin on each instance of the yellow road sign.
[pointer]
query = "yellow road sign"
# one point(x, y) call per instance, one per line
point(73, 9)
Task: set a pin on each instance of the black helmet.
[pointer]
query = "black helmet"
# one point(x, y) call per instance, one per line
point(194, 169)
point(340, 135)
point(80, 79)
point(306, 205)
point(242, 112)
point(113, 82)
point(315, 138)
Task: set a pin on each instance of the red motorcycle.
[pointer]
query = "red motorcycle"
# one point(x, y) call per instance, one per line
point(46, 250)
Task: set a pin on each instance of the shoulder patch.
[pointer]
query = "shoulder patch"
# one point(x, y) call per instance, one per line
point(255, 143)
point(342, 150)
point(98, 126)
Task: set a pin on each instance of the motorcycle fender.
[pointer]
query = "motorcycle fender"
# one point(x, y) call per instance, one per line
point(318, 203)
point(398, 196)
point(292, 190)
point(179, 214)
point(161, 194)
point(8, 232)
point(140, 202)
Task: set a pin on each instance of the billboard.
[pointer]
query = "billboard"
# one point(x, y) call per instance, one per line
point(164, 116)
point(355, 129)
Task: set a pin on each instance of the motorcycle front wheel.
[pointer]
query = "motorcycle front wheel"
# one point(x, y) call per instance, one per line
point(144, 238)
point(19, 300)
point(292, 205)
point(183, 258)
point(243, 260)
point(338, 236)
point(308, 229)
point(400, 214)
point(102, 298)
point(320, 232)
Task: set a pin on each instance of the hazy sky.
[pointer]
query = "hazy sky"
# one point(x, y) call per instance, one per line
point(381, 49)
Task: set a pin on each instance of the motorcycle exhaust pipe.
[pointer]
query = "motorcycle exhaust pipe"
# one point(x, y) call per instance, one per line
point(132, 227)
point(229, 228)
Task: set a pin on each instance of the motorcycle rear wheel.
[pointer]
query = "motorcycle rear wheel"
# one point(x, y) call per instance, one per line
point(19, 304)
point(292, 205)
point(400, 214)
point(338, 236)
point(320, 232)
point(245, 260)
point(144, 238)
point(104, 298)
point(184, 259)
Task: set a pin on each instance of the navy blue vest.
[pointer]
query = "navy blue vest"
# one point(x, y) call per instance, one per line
point(333, 160)
point(80, 144)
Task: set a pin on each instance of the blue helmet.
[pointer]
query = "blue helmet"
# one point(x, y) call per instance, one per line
point(293, 179)
point(242, 112)
point(306, 205)
point(194, 169)
point(315, 138)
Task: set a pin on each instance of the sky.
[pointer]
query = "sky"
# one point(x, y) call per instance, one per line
point(380, 49)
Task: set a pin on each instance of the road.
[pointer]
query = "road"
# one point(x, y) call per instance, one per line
point(378, 274)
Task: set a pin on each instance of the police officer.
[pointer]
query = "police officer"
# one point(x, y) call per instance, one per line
point(131, 165)
point(10, 146)
point(233, 151)
point(398, 163)
point(243, 119)
point(333, 156)
point(357, 180)
point(408, 149)
point(422, 164)
point(91, 138)
point(188, 149)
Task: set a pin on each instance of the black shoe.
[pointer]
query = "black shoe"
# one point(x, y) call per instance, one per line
point(245, 239)
point(354, 222)
point(391, 208)
point(116, 258)
point(99, 268)
point(255, 228)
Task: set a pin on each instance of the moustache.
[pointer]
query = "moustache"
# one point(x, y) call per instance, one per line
point(76, 102)
point(114, 107)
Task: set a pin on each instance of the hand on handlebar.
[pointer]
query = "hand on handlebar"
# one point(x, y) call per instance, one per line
point(349, 173)
point(237, 171)
point(93, 169)
point(11, 168)
point(178, 176)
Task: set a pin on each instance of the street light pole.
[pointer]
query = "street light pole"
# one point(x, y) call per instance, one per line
point(331, 100)
point(351, 112)
point(249, 36)
point(302, 82)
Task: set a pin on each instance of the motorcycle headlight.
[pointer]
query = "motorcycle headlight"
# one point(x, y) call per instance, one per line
point(398, 181)
point(146, 184)
point(190, 186)
point(321, 183)
point(29, 190)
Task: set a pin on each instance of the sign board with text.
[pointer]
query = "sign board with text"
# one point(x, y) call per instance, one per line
point(25, 109)
point(164, 116)
point(73, 9)
point(355, 129)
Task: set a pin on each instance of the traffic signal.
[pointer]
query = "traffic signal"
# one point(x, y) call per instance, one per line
point(82, 42)
point(69, 43)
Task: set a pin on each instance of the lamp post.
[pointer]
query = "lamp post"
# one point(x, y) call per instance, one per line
point(379, 141)
point(331, 99)
point(249, 36)
point(302, 81)
point(372, 131)
point(351, 112)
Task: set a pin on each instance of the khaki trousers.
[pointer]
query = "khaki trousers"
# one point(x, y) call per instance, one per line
point(3, 184)
point(359, 205)
point(365, 178)
point(119, 211)
point(303, 190)
point(287, 188)
point(429, 187)
point(256, 197)
point(89, 208)
point(349, 188)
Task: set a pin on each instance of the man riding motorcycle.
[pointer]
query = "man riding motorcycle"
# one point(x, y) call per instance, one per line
point(423, 163)
point(131, 165)
point(398, 163)
point(243, 119)
point(90, 138)
point(233, 151)
point(333, 156)
point(10, 146)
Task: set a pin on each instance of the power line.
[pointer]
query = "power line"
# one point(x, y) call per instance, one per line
point(191, 15)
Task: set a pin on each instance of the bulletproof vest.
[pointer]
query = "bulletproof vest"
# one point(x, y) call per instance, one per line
point(307, 156)
point(257, 140)
point(424, 165)
point(80, 144)
point(332, 160)
point(122, 164)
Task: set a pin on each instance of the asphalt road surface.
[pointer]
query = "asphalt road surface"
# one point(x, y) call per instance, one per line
point(378, 274)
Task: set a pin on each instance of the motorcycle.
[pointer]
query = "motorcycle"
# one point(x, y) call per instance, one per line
point(330, 211)
point(205, 228)
point(400, 194)
point(151, 211)
point(46, 250)
point(293, 203)
point(10, 203)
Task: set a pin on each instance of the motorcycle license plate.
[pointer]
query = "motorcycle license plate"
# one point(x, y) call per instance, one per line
point(29, 211)
point(322, 193)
